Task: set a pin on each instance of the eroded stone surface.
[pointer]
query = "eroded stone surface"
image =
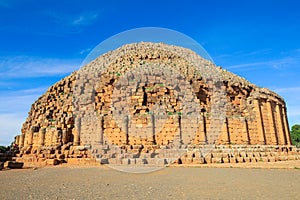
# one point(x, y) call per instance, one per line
point(116, 99)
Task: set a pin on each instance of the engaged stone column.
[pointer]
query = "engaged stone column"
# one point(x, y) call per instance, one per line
point(260, 125)
point(153, 129)
point(281, 133)
point(273, 131)
point(42, 134)
point(21, 142)
point(17, 140)
point(76, 132)
point(203, 131)
point(246, 135)
point(126, 122)
point(226, 134)
point(29, 137)
point(64, 137)
point(178, 136)
point(286, 126)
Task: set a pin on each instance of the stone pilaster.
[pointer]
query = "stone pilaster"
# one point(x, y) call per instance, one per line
point(286, 126)
point(260, 125)
point(76, 132)
point(246, 135)
point(280, 131)
point(272, 127)
point(17, 140)
point(225, 131)
point(64, 137)
point(203, 132)
point(22, 139)
point(42, 135)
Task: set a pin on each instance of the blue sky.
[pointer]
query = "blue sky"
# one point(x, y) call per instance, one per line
point(42, 42)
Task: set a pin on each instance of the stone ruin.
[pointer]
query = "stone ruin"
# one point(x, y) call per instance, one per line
point(156, 104)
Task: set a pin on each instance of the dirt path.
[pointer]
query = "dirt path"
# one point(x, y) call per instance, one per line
point(69, 182)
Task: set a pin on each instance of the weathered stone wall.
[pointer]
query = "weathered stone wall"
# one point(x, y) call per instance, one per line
point(253, 115)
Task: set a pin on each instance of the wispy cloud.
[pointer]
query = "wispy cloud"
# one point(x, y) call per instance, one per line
point(25, 66)
point(85, 19)
point(10, 126)
point(295, 90)
point(258, 60)
point(292, 99)
point(78, 20)
point(13, 111)
point(85, 51)
point(277, 63)
point(19, 100)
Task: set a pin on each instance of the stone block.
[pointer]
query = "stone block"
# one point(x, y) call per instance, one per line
point(232, 160)
point(208, 160)
point(240, 159)
point(104, 161)
point(52, 156)
point(141, 161)
point(282, 158)
point(132, 161)
point(125, 161)
point(60, 156)
point(15, 165)
point(200, 160)
point(225, 160)
point(52, 162)
point(271, 159)
point(291, 157)
point(265, 159)
point(186, 160)
point(115, 161)
point(216, 160)
point(247, 159)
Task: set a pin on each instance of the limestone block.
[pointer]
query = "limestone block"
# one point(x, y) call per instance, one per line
point(115, 161)
point(264, 159)
point(141, 161)
point(232, 160)
point(272, 159)
point(199, 160)
point(125, 161)
point(52, 161)
point(225, 160)
point(240, 159)
point(15, 165)
point(216, 160)
point(291, 157)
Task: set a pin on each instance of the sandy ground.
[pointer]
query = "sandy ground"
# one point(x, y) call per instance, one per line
point(260, 181)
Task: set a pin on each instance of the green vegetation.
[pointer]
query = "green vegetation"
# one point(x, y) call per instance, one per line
point(295, 135)
point(3, 149)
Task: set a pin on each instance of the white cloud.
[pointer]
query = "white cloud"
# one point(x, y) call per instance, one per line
point(294, 90)
point(25, 66)
point(292, 99)
point(277, 64)
point(85, 19)
point(85, 51)
point(14, 107)
point(285, 60)
point(10, 127)
point(79, 20)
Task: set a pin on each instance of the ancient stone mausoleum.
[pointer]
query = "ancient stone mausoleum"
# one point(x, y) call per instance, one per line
point(145, 97)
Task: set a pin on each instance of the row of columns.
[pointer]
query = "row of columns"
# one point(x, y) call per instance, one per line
point(278, 124)
point(37, 136)
point(278, 129)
